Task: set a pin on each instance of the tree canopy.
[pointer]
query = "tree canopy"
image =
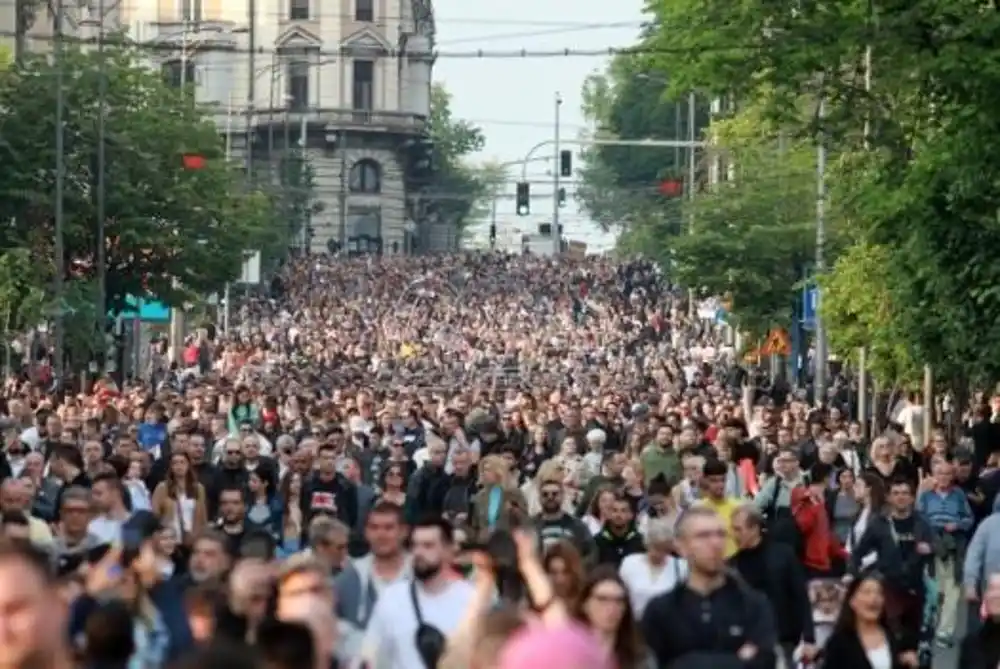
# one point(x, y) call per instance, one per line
point(171, 230)
point(619, 185)
point(915, 200)
point(457, 188)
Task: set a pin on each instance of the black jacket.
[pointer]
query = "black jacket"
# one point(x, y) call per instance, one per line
point(902, 572)
point(677, 631)
point(843, 649)
point(613, 548)
point(773, 569)
point(566, 528)
point(337, 496)
point(981, 649)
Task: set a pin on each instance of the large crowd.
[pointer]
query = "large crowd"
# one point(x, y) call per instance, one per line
point(483, 460)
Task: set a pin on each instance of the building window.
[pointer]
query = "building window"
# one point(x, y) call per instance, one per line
point(190, 10)
point(364, 229)
point(298, 10)
point(297, 72)
point(179, 73)
point(366, 177)
point(364, 85)
point(364, 10)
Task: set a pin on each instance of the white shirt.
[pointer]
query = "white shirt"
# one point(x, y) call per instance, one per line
point(390, 639)
point(645, 582)
point(108, 530)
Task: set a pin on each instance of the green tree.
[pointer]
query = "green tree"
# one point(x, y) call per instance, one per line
point(923, 196)
point(619, 185)
point(457, 190)
point(299, 201)
point(753, 236)
point(22, 297)
point(171, 231)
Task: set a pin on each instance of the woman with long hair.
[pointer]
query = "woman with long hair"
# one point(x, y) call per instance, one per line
point(861, 637)
point(180, 502)
point(290, 494)
point(600, 508)
point(869, 494)
point(604, 607)
point(264, 507)
point(393, 485)
point(842, 505)
point(564, 566)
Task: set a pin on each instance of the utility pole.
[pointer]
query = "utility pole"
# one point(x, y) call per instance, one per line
point(819, 380)
point(102, 94)
point(251, 83)
point(863, 352)
point(304, 189)
point(342, 195)
point(229, 156)
point(59, 354)
point(556, 237)
point(691, 176)
point(176, 331)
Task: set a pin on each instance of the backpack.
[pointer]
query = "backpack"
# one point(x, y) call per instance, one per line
point(780, 524)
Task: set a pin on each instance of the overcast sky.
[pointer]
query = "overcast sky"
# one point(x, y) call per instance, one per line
point(512, 99)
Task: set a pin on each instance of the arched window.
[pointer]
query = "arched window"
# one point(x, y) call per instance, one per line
point(366, 177)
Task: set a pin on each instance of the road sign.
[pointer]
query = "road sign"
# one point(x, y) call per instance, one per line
point(810, 299)
point(777, 343)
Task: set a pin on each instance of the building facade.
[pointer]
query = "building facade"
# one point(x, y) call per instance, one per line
point(344, 86)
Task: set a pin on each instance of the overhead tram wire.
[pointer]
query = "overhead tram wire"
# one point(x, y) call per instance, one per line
point(478, 54)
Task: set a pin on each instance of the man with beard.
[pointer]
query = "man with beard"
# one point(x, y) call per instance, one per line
point(555, 525)
point(433, 599)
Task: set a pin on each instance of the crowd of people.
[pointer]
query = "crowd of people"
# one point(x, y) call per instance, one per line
point(476, 461)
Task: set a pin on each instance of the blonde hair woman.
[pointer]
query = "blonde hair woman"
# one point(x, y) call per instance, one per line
point(499, 505)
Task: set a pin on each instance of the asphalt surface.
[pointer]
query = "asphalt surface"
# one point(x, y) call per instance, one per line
point(947, 658)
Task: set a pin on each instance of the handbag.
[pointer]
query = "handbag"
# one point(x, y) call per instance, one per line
point(430, 640)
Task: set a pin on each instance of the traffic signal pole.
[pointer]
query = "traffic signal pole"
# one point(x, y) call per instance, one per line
point(651, 143)
point(556, 170)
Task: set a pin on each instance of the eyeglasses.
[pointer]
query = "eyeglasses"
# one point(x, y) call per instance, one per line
point(76, 509)
point(551, 494)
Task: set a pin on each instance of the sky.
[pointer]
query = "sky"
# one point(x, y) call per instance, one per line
point(513, 99)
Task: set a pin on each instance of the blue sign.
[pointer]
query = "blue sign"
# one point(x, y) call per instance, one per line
point(150, 311)
point(810, 300)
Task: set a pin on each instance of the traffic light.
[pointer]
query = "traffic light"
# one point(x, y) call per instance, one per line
point(566, 163)
point(523, 199)
point(562, 197)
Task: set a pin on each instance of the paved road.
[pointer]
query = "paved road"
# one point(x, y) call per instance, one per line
point(947, 658)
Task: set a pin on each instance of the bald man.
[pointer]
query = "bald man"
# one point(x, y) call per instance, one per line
point(16, 496)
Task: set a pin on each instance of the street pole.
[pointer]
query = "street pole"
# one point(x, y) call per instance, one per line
point(819, 381)
point(342, 196)
point(863, 352)
point(691, 176)
point(229, 156)
point(102, 93)
point(251, 84)
point(176, 332)
point(556, 166)
point(303, 191)
point(59, 362)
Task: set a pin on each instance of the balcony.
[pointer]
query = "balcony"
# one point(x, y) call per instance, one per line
point(331, 119)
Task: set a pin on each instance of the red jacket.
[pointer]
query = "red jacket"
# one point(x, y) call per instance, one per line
point(821, 546)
